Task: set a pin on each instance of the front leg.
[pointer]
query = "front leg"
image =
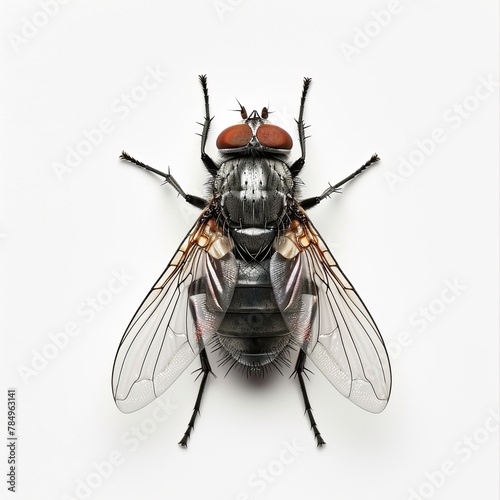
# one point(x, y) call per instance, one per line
point(169, 179)
point(311, 202)
point(298, 164)
point(207, 161)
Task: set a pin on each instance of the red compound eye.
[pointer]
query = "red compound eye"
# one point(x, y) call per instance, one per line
point(274, 137)
point(236, 136)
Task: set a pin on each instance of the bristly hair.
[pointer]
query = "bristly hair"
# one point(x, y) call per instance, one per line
point(282, 360)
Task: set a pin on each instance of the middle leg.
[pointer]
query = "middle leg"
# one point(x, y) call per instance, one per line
point(311, 202)
point(169, 179)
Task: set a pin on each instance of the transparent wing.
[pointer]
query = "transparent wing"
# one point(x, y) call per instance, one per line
point(176, 319)
point(331, 322)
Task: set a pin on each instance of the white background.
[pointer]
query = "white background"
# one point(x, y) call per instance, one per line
point(402, 245)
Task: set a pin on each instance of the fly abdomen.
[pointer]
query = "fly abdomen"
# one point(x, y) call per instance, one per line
point(253, 331)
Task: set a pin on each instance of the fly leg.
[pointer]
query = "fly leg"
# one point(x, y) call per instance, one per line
point(169, 179)
point(299, 370)
point(311, 202)
point(207, 161)
point(205, 369)
point(298, 164)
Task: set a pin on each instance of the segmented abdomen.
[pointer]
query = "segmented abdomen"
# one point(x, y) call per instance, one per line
point(253, 331)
